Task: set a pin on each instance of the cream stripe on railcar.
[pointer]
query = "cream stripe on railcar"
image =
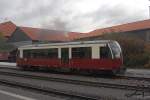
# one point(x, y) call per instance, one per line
point(67, 43)
point(59, 53)
point(70, 53)
point(65, 46)
point(21, 53)
point(95, 52)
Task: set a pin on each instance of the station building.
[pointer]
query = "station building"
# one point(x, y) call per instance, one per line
point(18, 35)
point(140, 29)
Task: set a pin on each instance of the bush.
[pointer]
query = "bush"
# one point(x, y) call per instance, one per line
point(136, 52)
point(136, 60)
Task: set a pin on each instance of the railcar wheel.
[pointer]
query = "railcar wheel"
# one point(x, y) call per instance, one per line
point(115, 72)
point(26, 68)
point(122, 70)
point(22, 68)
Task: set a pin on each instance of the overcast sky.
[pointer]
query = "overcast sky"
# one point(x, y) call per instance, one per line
point(73, 15)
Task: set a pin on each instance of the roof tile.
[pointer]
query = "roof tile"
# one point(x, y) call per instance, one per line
point(49, 35)
point(139, 25)
point(7, 28)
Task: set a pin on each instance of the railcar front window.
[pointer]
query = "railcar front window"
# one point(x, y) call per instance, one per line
point(116, 50)
point(105, 52)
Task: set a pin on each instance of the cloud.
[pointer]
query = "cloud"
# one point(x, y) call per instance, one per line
point(56, 24)
point(72, 15)
point(106, 16)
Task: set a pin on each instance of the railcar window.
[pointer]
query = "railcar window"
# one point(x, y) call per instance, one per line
point(105, 52)
point(26, 53)
point(41, 53)
point(53, 53)
point(81, 52)
point(18, 53)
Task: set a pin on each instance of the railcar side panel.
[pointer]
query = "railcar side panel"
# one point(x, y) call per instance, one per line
point(39, 62)
point(104, 56)
point(99, 64)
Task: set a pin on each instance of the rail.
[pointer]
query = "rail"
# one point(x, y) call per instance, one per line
point(79, 82)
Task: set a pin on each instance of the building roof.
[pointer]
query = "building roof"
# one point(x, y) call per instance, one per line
point(49, 35)
point(74, 35)
point(139, 25)
point(7, 28)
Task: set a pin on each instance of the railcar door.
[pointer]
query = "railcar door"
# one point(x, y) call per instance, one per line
point(65, 56)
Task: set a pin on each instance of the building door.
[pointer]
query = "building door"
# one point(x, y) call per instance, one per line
point(65, 55)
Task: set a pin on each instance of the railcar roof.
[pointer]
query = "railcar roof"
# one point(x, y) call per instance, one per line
point(67, 43)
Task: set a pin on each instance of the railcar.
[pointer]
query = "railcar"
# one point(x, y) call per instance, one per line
point(8, 56)
point(4, 56)
point(91, 56)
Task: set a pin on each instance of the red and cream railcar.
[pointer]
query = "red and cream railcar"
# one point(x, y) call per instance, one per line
point(4, 56)
point(102, 55)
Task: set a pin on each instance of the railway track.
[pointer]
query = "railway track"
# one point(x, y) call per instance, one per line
point(115, 77)
point(80, 82)
point(67, 94)
point(134, 78)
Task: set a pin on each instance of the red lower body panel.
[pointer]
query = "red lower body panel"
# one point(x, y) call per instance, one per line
point(4, 56)
point(39, 62)
point(95, 64)
point(102, 64)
